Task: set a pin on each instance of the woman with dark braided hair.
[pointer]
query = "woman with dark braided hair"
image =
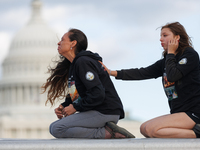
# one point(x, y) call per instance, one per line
point(92, 106)
point(180, 71)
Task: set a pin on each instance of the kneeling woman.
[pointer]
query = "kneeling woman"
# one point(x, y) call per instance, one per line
point(91, 93)
point(180, 72)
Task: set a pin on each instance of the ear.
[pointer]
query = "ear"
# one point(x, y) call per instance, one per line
point(74, 43)
point(177, 37)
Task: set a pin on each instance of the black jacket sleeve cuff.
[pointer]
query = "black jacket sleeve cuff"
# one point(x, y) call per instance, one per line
point(170, 56)
point(67, 101)
point(77, 106)
point(119, 74)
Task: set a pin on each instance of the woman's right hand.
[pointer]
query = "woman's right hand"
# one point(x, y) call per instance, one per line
point(105, 67)
point(58, 111)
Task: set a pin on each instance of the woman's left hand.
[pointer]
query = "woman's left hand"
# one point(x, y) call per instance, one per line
point(69, 110)
point(173, 46)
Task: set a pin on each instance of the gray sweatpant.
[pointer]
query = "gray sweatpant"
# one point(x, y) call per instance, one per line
point(89, 124)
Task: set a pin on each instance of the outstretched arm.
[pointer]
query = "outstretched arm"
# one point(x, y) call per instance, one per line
point(152, 71)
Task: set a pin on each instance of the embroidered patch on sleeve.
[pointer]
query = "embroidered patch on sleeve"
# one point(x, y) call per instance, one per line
point(89, 76)
point(183, 61)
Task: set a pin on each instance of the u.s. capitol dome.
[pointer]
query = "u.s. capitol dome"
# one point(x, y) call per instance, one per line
point(22, 106)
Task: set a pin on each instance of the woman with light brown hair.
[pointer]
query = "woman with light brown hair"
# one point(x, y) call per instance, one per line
point(179, 69)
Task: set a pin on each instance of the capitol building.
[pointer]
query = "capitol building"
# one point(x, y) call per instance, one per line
point(23, 113)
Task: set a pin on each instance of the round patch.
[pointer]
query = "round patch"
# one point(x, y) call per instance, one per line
point(183, 61)
point(89, 76)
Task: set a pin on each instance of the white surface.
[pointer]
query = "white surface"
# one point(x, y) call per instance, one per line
point(100, 144)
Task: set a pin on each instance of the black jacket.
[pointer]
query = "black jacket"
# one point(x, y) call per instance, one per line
point(95, 90)
point(181, 79)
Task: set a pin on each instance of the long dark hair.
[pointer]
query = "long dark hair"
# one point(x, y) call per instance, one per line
point(56, 84)
point(178, 29)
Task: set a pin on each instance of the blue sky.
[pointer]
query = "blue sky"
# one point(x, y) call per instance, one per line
point(125, 33)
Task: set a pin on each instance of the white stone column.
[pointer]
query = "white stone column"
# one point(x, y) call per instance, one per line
point(13, 95)
point(43, 98)
point(35, 94)
point(19, 95)
point(8, 96)
point(39, 91)
point(3, 96)
point(23, 132)
point(27, 94)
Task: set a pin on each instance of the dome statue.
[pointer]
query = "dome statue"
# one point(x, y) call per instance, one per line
point(22, 106)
